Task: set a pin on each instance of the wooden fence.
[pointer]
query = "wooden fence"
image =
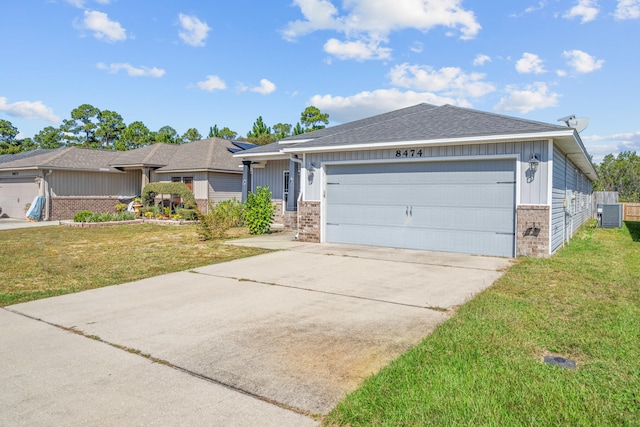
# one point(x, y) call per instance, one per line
point(602, 198)
point(631, 211)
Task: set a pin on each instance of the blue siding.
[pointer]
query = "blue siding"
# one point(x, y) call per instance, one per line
point(567, 177)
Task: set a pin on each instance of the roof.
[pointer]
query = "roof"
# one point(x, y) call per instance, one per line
point(208, 154)
point(205, 155)
point(11, 157)
point(71, 158)
point(428, 124)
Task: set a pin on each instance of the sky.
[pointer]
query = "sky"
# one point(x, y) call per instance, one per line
point(193, 64)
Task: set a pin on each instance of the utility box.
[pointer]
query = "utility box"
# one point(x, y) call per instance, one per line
point(611, 216)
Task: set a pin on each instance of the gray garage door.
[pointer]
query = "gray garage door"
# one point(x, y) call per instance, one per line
point(462, 206)
point(15, 194)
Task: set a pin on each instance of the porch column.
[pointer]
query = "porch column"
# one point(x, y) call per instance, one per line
point(293, 185)
point(246, 179)
point(145, 178)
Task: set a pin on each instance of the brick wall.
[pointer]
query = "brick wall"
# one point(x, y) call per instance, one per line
point(66, 207)
point(288, 219)
point(309, 227)
point(532, 231)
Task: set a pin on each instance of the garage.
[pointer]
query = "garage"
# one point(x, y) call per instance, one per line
point(15, 194)
point(450, 206)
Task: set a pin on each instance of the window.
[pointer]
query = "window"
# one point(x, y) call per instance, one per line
point(285, 188)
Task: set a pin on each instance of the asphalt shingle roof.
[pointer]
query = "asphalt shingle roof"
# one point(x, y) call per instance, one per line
point(430, 123)
point(25, 154)
point(207, 154)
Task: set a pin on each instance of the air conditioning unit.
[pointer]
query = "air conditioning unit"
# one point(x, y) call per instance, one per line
point(611, 216)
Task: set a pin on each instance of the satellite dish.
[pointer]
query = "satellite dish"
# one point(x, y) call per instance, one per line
point(579, 124)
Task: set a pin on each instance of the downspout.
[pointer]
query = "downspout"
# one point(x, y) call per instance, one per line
point(47, 197)
point(298, 161)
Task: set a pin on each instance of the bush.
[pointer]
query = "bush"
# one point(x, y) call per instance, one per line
point(82, 216)
point(188, 214)
point(120, 207)
point(219, 219)
point(151, 190)
point(88, 216)
point(259, 211)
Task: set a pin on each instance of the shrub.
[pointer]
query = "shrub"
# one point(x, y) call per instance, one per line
point(188, 214)
point(88, 216)
point(82, 216)
point(120, 207)
point(259, 211)
point(151, 190)
point(220, 217)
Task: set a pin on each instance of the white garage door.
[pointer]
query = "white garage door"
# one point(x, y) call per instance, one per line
point(461, 206)
point(15, 194)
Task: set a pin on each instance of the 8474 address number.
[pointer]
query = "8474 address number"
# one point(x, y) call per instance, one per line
point(409, 153)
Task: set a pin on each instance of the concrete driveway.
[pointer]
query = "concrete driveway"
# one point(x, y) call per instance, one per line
point(268, 340)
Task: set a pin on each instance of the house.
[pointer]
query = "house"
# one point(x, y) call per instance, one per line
point(440, 178)
point(74, 178)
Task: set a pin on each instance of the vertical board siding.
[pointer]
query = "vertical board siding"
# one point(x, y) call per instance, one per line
point(74, 183)
point(557, 200)
point(224, 186)
point(272, 176)
point(532, 192)
point(567, 177)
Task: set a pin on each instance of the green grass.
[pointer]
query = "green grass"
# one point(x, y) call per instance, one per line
point(484, 365)
point(48, 261)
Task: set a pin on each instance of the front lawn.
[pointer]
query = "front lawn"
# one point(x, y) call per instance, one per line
point(47, 261)
point(484, 366)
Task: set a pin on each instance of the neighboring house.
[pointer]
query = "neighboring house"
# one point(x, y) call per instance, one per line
point(74, 178)
point(430, 177)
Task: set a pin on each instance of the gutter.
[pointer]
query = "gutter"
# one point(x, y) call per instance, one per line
point(47, 197)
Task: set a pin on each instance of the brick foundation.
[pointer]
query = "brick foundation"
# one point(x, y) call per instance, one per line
point(289, 219)
point(309, 227)
point(532, 231)
point(66, 207)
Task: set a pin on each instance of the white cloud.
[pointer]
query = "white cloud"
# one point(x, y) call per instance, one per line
point(367, 23)
point(358, 50)
point(451, 81)
point(365, 104)
point(581, 61)
point(29, 110)
point(586, 10)
point(601, 145)
point(481, 59)
point(211, 84)
point(80, 3)
point(266, 87)
point(131, 70)
point(195, 32)
point(416, 47)
point(627, 9)
point(532, 97)
point(530, 63)
point(103, 28)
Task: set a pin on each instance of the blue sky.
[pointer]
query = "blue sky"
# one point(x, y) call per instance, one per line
point(195, 64)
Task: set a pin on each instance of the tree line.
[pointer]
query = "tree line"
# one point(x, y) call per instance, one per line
point(91, 127)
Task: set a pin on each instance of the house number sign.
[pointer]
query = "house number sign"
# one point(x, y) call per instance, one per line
point(409, 153)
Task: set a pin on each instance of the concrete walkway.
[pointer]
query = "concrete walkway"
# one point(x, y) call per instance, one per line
point(267, 340)
point(13, 223)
